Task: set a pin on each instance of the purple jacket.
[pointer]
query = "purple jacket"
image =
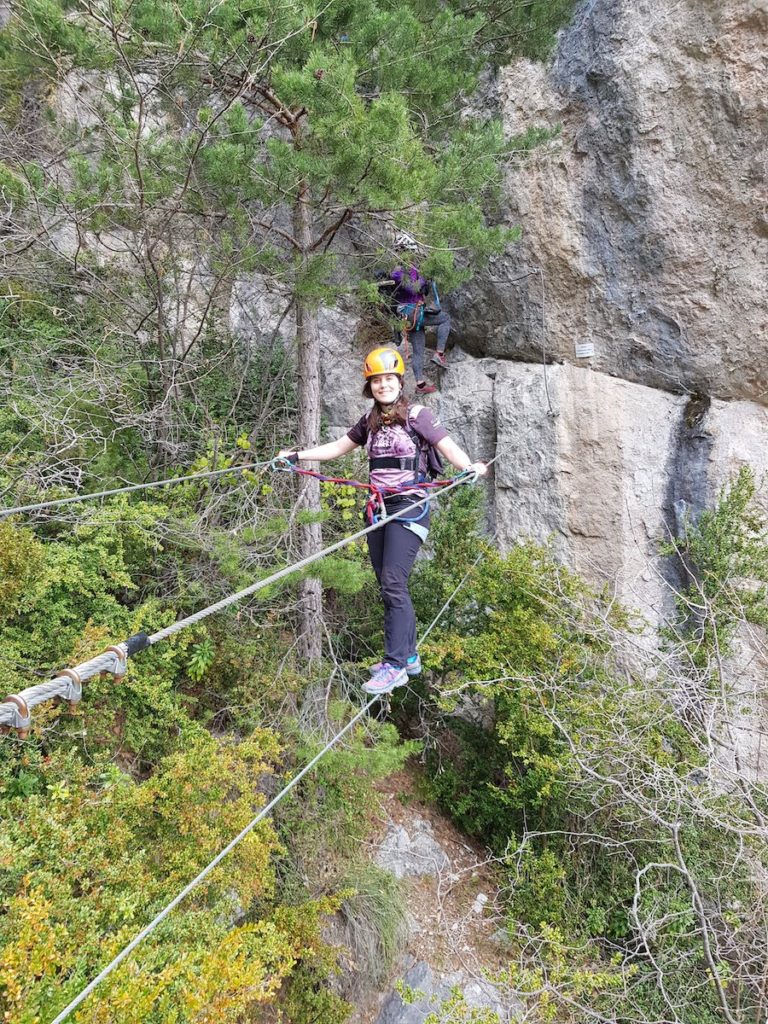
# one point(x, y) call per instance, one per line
point(410, 284)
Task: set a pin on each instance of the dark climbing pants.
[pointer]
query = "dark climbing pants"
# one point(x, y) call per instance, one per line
point(441, 322)
point(393, 550)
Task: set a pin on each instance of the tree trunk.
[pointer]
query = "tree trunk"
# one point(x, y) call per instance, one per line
point(308, 356)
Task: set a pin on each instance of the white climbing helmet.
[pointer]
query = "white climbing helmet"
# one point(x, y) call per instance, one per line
point(404, 242)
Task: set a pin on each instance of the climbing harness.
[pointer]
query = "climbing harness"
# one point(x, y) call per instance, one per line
point(412, 315)
point(133, 487)
point(375, 509)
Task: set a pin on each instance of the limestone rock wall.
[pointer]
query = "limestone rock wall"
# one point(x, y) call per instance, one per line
point(645, 236)
point(645, 224)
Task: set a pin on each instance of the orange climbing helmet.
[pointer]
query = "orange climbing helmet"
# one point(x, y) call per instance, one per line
point(383, 360)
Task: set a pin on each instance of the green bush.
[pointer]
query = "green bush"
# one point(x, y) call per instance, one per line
point(72, 901)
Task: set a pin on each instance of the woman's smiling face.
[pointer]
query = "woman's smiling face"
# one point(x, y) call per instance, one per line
point(385, 387)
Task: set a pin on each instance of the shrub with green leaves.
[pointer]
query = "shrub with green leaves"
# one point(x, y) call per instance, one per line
point(607, 775)
point(73, 900)
point(725, 557)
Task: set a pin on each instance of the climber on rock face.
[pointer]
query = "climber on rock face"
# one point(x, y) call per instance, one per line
point(415, 301)
point(398, 438)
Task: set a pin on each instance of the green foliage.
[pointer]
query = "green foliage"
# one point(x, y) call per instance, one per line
point(22, 57)
point(66, 599)
point(374, 915)
point(503, 629)
point(72, 901)
point(374, 132)
point(21, 558)
point(324, 827)
point(626, 863)
point(457, 1009)
point(343, 575)
point(12, 187)
point(526, 27)
point(725, 554)
point(566, 976)
point(118, 364)
point(200, 659)
point(309, 1001)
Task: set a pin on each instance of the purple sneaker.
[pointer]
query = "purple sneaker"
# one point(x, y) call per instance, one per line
point(386, 679)
point(412, 666)
point(439, 358)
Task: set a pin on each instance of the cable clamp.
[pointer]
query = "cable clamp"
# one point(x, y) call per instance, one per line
point(119, 662)
point(22, 719)
point(74, 691)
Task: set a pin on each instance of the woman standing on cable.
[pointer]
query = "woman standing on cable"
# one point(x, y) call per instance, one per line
point(397, 438)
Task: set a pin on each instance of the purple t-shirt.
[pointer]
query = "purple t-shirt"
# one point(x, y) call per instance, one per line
point(396, 442)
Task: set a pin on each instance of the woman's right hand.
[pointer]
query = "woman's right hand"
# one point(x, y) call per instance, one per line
point(288, 453)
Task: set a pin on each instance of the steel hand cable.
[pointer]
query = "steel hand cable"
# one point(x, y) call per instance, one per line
point(132, 487)
point(68, 684)
point(301, 564)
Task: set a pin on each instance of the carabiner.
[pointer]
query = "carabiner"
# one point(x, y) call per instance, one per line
point(281, 465)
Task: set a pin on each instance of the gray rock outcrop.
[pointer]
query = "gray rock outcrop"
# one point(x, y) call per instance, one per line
point(611, 471)
point(412, 851)
point(645, 224)
point(431, 990)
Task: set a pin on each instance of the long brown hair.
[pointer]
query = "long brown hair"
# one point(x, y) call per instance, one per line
point(397, 413)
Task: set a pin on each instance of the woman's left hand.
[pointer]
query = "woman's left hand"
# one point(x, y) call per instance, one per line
point(478, 468)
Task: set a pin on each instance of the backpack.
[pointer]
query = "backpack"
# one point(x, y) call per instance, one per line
point(430, 462)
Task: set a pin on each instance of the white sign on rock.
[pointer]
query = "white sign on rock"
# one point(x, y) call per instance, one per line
point(584, 349)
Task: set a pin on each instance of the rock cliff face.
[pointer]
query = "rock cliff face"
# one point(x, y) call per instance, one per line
point(645, 226)
point(644, 236)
